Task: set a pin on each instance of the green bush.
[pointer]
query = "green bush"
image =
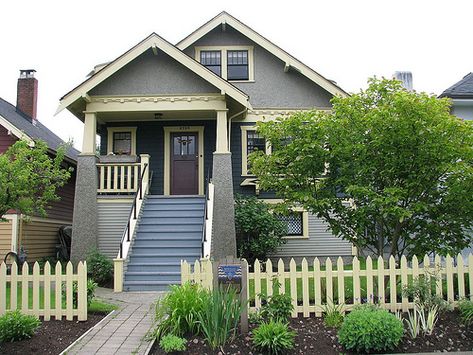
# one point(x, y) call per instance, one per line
point(370, 329)
point(172, 343)
point(258, 231)
point(273, 337)
point(277, 307)
point(176, 313)
point(16, 326)
point(100, 268)
point(422, 291)
point(466, 311)
point(220, 317)
point(91, 286)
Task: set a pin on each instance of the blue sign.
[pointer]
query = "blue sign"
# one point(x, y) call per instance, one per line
point(229, 272)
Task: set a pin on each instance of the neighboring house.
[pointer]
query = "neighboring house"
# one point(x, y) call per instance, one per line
point(190, 110)
point(461, 94)
point(36, 235)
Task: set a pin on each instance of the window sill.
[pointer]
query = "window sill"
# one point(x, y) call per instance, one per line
point(241, 81)
point(296, 237)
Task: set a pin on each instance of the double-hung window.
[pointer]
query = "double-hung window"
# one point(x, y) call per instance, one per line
point(121, 140)
point(237, 65)
point(212, 60)
point(233, 63)
point(251, 142)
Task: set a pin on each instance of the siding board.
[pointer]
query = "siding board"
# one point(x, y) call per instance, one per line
point(39, 238)
point(6, 140)
point(5, 238)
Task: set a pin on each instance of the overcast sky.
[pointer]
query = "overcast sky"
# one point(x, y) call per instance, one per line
point(347, 41)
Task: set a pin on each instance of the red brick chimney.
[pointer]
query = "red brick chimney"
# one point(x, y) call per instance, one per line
point(27, 93)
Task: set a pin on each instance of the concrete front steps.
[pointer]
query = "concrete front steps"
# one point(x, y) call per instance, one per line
point(169, 230)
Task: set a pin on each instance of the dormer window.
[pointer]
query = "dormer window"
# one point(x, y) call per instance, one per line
point(233, 63)
point(212, 60)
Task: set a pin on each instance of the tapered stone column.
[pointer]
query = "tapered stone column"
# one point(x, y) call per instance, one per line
point(85, 219)
point(223, 226)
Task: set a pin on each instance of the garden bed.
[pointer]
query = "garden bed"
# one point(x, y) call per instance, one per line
point(314, 337)
point(52, 337)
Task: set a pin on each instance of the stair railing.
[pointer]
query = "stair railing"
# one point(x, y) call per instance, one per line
point(208, 218)
point(143, 186)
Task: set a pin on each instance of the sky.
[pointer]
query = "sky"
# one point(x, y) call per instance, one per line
point(346, 41)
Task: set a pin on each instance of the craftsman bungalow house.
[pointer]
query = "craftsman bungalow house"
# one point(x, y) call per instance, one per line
point(37, 236)
point(176, 124)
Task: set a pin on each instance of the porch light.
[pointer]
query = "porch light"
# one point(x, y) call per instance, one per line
point(158, 115)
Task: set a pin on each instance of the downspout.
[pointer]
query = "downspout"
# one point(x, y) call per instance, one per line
point(230, 125)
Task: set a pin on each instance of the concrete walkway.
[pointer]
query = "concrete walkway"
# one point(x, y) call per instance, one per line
point(122, 332)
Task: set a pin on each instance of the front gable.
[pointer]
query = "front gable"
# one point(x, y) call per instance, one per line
point(154, 74)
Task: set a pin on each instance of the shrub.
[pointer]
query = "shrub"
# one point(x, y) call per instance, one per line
point(466, 311)
point(100, 268)
point(91, 286)
point(171, 343)
point(220, 316)
point(366, 330)
point(176, 313)
point(273, 337)
point(16, 326)
point(333, 316)
point(258, 231)
point(277, 307)
point(422, 292)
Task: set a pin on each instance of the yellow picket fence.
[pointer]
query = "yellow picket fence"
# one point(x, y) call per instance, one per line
point(45, 293)
point(314, 286)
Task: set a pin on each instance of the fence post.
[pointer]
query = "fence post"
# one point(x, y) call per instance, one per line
point(3, 290)
point(281, 277)
point(341, 282)
point(269, 278)
point(47, 290)
point(381, 273)
point(69, 296)
point(369, 280)
point(82, 291)
point(118, 274)
point(329, 282)
point(356, 281)
point(305, 287)
point(293, 277)
point(58, 285)
point(36, 288)
point(404, 268)
point(449, 272)
point(25, 271)
point(317, 287)
point(14, 286)
point(257, 282)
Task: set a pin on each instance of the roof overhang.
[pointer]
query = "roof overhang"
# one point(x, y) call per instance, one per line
point(290, 62)
point(15, 131)
point(79, 96)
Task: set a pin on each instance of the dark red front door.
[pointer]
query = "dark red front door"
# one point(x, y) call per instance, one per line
point(184, 164)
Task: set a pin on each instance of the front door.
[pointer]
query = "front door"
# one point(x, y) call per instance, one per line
point(184, 164)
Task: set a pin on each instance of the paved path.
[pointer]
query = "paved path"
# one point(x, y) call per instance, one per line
point(123, 332)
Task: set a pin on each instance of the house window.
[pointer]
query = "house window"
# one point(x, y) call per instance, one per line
point(212, 60)
point(122, 143)
point(294, 221)
point(230, 62)
point(251, 142)
point(121, 140)
point(237, 65)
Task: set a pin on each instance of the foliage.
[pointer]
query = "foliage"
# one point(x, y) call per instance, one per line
point(273, 337)
point(258, 231)
point(171, 343)
point(333, 316)
point(99, 267)
point(220, 316)
point(177, 312)
point(422, 291)
point(466, 311)
point(413, 323)
point(29, 178)
point(277, 307)
point(91, 286)
point(97, 306)
point(366, 330)
point(428, 319)
point(15, 326)
point(398, 156)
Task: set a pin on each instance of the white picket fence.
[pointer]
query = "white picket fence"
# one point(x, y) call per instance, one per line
point(45, 287)
point(311, 288)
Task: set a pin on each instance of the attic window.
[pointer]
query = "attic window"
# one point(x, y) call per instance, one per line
point(212, 60)
point(233, 63)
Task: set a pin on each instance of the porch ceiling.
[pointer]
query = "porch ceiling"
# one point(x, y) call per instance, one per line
point(150, 116)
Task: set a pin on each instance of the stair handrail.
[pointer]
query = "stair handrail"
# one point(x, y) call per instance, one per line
point(134, 212)
point(208, 216)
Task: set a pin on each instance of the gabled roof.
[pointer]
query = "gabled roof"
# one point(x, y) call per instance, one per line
point(153, 41)
point(225, 18)
point(22, 126)
point(460, 90)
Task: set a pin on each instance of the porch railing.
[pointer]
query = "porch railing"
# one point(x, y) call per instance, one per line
point(120, 177)
point(208, 218)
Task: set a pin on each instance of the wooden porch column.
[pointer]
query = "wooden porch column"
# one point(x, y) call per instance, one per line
point(90, 133)
point(222, 132)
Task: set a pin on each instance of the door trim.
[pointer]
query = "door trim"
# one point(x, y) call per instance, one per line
point(167, 154)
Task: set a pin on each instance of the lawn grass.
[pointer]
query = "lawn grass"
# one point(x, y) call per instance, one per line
point(99, 306)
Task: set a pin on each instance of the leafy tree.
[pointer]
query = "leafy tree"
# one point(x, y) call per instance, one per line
point(29, 178)
point(258, 231)
point(386, 168)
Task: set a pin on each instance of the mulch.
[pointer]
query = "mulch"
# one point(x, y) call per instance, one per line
point(52, 337)
point(313, 337)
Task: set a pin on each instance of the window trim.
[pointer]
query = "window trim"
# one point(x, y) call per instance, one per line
point(244, 149)
point(223, 59)
point(110, 134)
point(305, 219)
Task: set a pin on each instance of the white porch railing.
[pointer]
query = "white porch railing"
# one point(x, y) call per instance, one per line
point(119, 177)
